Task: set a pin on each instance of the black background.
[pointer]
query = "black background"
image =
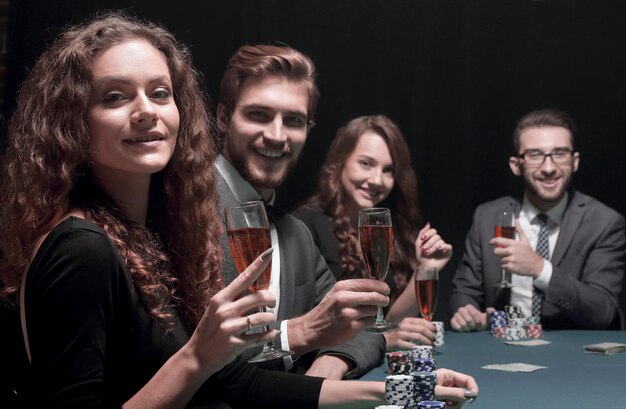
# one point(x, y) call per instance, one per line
point(455, 76)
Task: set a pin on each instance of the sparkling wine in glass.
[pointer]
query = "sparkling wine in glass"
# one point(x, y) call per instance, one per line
point(248, 234)
point(505, 227)
point(376, 239)
point(427, 291)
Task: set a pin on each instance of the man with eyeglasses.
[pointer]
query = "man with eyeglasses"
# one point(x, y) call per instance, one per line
point(567, 262)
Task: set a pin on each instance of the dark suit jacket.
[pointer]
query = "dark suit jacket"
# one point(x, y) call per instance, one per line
point(588, 265)
point(304, 280)
point(320, 226)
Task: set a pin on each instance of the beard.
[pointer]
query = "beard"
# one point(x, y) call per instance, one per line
point(259, 178)
point(539, 197)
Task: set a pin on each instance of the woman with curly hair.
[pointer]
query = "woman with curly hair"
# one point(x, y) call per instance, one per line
point(110, 238)
point(368, 164)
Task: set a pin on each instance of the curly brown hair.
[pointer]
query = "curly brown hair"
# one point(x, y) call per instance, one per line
point(45, 172)
point(402, 201)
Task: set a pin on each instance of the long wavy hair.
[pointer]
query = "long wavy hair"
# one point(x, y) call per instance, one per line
point(46, 173)
point(402, 201)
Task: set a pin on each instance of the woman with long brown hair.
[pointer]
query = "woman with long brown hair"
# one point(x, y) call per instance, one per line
point(110, 238)
point(368, 164)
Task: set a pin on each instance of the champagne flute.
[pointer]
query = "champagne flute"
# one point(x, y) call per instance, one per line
point(427, 291)
point(248, 234)
point(375, 237)
point(505, 227)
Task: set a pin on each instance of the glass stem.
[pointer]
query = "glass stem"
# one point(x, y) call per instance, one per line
point(379, 315)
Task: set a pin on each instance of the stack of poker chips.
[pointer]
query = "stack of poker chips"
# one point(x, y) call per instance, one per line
point(408, 390)
point(422, 351)
point(399, 363)
point(512, 312)
point(497, 319)
point(399, 390)
point(439, 334)
point(533, 328)
point(431, 404)
point(424, 365)
point(424, 386)
point(405, 362)
point(516, 329)
point(511, 324)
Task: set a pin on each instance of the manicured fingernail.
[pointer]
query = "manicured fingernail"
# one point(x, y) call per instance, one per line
point(425, 251)
point(267, 253)
point(471, 395)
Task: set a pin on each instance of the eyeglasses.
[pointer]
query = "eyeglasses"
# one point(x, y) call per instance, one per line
point(535, 157)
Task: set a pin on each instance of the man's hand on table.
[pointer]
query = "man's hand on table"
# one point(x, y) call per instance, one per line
point(470, 318)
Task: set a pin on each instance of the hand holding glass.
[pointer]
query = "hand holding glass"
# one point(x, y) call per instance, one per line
point(505, 227)
point(248, 234)
point(376, 239)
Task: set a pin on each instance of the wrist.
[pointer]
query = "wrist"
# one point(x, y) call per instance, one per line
point(197, 362)
point(331, 366)
point(301, 340)
point(191, 367)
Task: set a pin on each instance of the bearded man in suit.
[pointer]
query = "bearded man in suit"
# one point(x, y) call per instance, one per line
point(575, 281)
point(266, 106)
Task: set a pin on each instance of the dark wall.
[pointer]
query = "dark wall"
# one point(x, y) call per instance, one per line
point(455, 76)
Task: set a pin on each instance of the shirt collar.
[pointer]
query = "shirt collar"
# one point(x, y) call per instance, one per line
point(242, 190)
point(555, 213)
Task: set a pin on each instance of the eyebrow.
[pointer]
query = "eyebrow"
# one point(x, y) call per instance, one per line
point(366, 156)
point(553, 149)
point(124, 80)
point(267, 108)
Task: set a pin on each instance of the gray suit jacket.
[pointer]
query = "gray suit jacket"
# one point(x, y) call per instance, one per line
point(304, 280)
point(588, 265)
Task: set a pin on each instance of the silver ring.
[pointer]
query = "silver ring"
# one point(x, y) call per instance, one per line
point(249, 323)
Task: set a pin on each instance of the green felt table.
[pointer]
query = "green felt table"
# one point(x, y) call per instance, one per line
point(572, 379)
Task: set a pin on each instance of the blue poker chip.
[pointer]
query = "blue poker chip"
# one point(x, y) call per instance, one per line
point(427, 378)
point(431, 404)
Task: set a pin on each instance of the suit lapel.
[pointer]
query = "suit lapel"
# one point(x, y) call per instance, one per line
point(571, 220)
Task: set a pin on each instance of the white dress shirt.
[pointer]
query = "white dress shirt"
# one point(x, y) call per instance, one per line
point(522, 290)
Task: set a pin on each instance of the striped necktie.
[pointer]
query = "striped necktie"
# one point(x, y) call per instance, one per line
point(543, 250)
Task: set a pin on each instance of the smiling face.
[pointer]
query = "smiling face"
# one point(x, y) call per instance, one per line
point(265, 133)
point(132, 116)
point(547, 183)
point(367, 176)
